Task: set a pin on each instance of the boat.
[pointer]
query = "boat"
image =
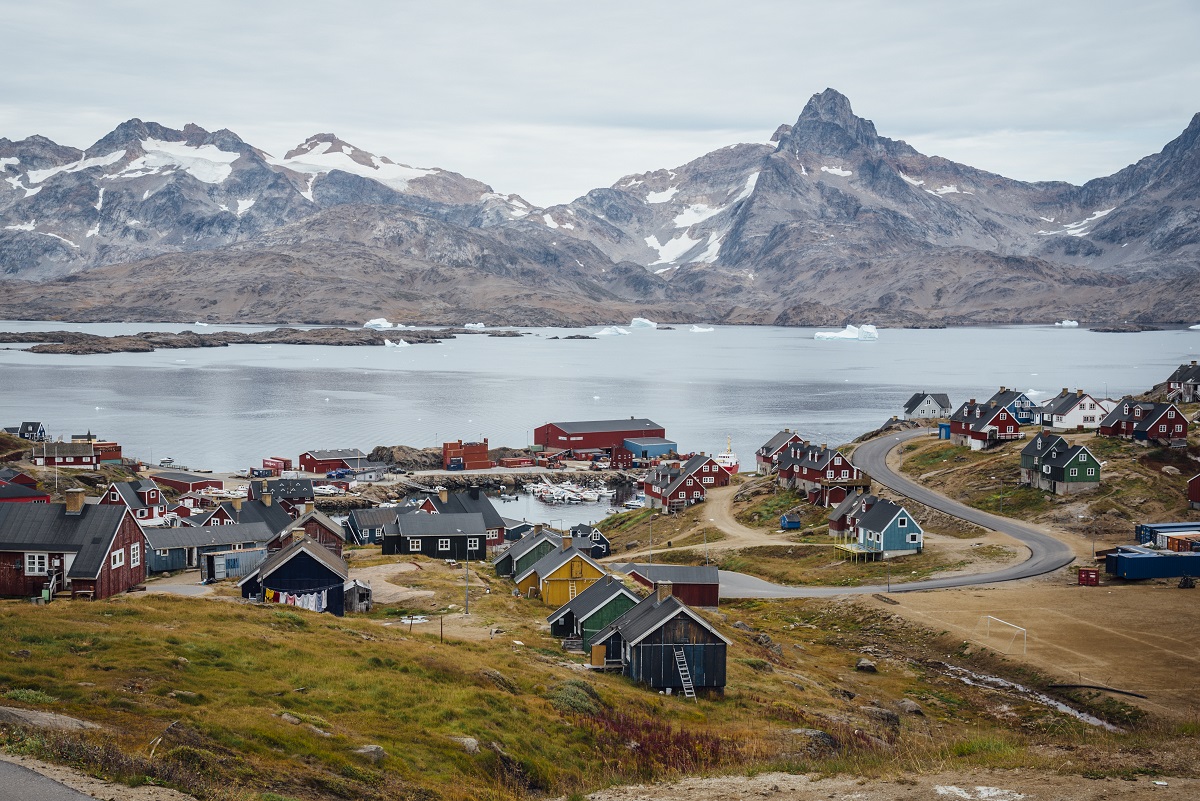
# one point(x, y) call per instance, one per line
point(591, 496)
point(504, 496)
point(166, 462)
point(728, 459)
point(605, 492)
point(634, 503)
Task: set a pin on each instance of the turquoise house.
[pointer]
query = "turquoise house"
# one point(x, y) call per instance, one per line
point(888, 530)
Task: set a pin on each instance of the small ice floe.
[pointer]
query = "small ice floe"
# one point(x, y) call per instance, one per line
point(864, 333)
point(642, 322)
point(611, 331)
point(397, 344)
point(379, 324)
point(203, 325)
point(698, 329)
point(1194, 327)
point(1068, 324)
point(474, 326)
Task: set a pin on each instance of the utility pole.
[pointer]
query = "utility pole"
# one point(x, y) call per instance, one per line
point(466, 580)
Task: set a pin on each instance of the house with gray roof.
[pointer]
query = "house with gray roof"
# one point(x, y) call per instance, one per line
point(1183, 385)
point(456, 535)
point(94, 550)
point(306, 575)
point(1074, 411)
point(525, 552)
point(884, 531)
point(927, 406)
point(766, 458)
point(142, 498)
point(183, 548)
point(590, 611)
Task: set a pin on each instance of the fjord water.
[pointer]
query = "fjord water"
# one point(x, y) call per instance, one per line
point(226, 408)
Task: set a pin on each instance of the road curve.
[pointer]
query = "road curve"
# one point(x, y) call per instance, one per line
point(20, 782)
point(1046, 553)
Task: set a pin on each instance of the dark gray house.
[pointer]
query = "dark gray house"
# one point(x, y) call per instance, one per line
point(590, 611)
point(664, 644)
point(439, 536)
point(585, 533)
point(366, 526)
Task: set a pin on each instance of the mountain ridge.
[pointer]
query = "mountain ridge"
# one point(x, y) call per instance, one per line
point(828, 222)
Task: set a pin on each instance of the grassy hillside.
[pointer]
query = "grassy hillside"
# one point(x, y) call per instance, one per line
point(265, 703)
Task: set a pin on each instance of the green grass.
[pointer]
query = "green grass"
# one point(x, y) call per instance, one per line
point(764, 511)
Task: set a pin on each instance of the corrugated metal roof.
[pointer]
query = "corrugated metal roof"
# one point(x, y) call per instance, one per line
point(441, 525)
point(605, 426)
point(47, 527)
point(200, 536)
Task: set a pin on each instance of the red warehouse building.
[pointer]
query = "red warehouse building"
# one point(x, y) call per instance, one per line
point(324, 461)
point(604, 434)
point(186, 482)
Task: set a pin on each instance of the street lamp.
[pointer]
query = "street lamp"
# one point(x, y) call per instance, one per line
point(466, 579)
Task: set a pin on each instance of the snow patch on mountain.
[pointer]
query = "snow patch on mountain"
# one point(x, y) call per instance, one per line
point(671, 251)
point(912, 181)
point(952, 189)
point(697, 212)
point(95, 229)
point(244, 205)
point(1079, 228)
point(100, 200)
point(837, 171)
point(663, 196)
point(549, 221)
point(711, 250)
point(338, 156)
point(751, 182)
point(39, 176)
point(29, 226)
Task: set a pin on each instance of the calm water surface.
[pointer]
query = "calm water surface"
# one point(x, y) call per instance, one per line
point(226, 408)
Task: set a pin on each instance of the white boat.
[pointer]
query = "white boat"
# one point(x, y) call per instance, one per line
point(591, 496)
point(634, 503)
point(728, 459)
point(606, 492)
point(166, 461)
point(504, 496)
point(379, 324)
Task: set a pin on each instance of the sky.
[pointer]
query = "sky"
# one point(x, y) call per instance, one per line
point(551, 99)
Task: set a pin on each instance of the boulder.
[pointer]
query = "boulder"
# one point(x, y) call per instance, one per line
point(884, 716)
point(290, 718)
point(742, 626)
point(42, 720)
point(865, 665)
point(469, 744)
point(815, 741)
point(909, 706)
point(373, 752)
point(1170, 471)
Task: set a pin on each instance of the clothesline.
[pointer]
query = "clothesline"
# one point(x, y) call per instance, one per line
point(312, 601)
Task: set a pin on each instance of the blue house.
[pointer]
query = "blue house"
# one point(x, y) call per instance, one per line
point(790, 521)
point(304, 574)
point(650, 447)
point(601, 547)
point(887, 530)
point(182, 548)
point(1019, 405)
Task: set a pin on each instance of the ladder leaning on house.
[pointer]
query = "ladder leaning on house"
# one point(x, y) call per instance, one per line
point(686, 675)
point(571, 590)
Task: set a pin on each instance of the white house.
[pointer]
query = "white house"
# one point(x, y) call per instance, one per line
point(1072, 411)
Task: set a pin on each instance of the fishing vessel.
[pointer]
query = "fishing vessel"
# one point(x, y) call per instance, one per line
point(728, 459)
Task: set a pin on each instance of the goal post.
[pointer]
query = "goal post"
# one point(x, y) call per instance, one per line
point(1002, 628)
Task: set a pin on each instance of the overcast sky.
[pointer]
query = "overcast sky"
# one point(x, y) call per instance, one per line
point(550, 99)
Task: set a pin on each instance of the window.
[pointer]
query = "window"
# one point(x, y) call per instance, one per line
point(1171, 414)
point(116, 496)
point(837, 460)
point(828, 474)
point(163, 552)
point(141, 512)
point(1178, 428)
point(696, 494)
point(1008, 430)
point(1046, 469)
point(1074, 471)
point(1162, 429)
point(35, 564)
point(414, 545)
point(118, 558)
point(444, 545)
point(472, 543)
point(1091, 471)
point(707, 480)
point(135, 554)
point(902, 522)
point(914, 537)
point(845, 474)
point(689, 482)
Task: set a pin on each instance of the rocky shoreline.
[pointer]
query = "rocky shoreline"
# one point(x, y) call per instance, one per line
point(78, 343)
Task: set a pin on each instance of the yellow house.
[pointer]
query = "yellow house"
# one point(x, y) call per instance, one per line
point(560, 575)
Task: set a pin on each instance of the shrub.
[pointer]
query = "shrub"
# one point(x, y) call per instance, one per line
point(575, 696)
point(30, 696)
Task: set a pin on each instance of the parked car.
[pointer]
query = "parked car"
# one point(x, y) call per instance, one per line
point(326, 489)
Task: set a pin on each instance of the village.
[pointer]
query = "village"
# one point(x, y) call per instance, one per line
point(338, 532)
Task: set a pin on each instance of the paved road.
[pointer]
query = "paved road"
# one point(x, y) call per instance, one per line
point(1046, 553)
point(19, 782)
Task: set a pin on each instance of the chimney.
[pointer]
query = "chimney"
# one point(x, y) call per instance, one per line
point(566, 542)
point(662, 590)
point(823, 444)
point(1004, 389)
point(787, 430)
point(474, 493)
point(444, 496)
point(537, 528)
point(1079, 393)
point(74, 501)
point(992, 404)
point(309, 506)
point(266, 499)
point(1064, 391)
point(237, 504)
point(972, 401)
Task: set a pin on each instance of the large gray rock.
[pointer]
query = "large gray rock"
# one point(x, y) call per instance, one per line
point(909, 706)
point(469, 744)
point(814, 741)
point(884, 716)
point(42, 720)
point(373, 752)
point(864, 665)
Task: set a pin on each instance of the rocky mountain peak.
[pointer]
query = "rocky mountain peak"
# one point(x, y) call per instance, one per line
point(828, 125)
point(330, 144)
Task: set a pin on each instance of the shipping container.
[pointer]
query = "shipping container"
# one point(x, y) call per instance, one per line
point(1134, 563)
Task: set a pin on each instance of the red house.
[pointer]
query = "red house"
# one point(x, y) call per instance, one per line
point(983, 425)
point(843, 520)
point(603, 434)
point(766, 458)
point(1143, 420)
point(324, 461)
point(1193, 492)
point(19, 493)
point(94, 550)
point(822, 473)
point(673, 486)
point(317, 526)
point(71, 455)
point(142, 498)
point(186, 482)
point(695, 586)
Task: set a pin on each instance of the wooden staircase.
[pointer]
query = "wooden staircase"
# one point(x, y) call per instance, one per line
point(686, 675)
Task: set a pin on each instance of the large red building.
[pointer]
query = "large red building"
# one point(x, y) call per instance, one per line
point(324, 461)
point(604, 434)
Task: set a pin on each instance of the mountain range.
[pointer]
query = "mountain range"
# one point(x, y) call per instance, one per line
point(826, 222)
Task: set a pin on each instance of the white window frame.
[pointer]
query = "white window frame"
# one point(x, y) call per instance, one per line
point(162, 553)
point(1091, 471)
point(902, 522)
point(117, 558)
point(696, 493)
point(116, 496)
point(914, 537)
point(444, 544)
point(1162, 429)
point(1074, 471)
point(135, 554)
point(414, 544)
point(40, 562)
point(472, 543)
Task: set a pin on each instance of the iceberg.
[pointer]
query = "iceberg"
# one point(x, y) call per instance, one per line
point(474, 326)
point(1068, 324)
point(864, 333)
point(642, 322)
point(1194, 327)
point(696, 329)
point(379, 324)
point(398, 344)
point(611, 331)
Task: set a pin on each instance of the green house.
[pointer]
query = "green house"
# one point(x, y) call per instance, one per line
point(1067, 470)
point(1033, 453)
point(525, 552)
point(591, 610)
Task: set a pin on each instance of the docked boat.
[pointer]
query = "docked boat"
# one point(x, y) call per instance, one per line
point(634, 503)
point(728, 459)
point(504, 496)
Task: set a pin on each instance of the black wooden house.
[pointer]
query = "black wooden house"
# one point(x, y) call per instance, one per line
point(439, 536)
point(304, 574)
point(663, 643)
